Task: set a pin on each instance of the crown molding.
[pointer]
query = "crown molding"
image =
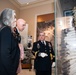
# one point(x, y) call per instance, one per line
point(36, 4)
point(24, 6)
point(14, 3)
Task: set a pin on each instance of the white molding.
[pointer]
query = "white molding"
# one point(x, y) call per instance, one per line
point(36, 22)
point(14, 3)
point(21, 6)
point(36, 4)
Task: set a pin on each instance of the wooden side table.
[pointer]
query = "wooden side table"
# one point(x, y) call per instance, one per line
point(26, 63)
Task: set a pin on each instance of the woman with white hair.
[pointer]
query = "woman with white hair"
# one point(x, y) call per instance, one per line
point(9, 49)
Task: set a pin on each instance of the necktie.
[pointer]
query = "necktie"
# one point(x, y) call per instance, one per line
point(42, 42)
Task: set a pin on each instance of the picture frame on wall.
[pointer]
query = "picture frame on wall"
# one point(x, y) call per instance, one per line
point(48, 28)
point(68, 12)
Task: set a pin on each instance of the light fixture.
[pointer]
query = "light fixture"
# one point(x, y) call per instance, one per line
point(25, 1)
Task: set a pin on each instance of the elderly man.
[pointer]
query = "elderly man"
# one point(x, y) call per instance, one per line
point(20, 26)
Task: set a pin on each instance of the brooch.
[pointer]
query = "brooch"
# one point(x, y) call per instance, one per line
point(38, 46)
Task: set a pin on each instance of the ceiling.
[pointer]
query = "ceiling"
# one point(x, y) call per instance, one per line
point(23, 4)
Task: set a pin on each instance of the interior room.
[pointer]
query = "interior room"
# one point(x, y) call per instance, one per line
point(34, 12)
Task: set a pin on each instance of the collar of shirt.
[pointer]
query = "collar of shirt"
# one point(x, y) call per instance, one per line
point(18, 30)
point(44, 42)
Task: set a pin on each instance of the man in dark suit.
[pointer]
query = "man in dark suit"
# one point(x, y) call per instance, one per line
point(44, 56)
point(9, 40)
point(20, 26)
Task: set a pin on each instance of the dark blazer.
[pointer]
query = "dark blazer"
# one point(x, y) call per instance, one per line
point(9, 52)
point(39, 62)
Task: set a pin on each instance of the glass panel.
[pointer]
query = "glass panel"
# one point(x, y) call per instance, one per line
point(65, 37)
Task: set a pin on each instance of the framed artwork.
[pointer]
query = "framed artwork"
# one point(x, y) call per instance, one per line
point(48, 28)
point(68, 13)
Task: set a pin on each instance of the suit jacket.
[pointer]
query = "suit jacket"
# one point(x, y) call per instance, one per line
point(39, 62)
point(9, 52)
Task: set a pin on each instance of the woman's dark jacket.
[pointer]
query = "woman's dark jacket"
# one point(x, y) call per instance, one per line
point(9, 52)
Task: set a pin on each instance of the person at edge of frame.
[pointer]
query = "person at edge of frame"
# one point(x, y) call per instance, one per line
point(9, 49)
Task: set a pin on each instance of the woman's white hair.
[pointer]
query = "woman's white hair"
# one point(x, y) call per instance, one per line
point(6, 16)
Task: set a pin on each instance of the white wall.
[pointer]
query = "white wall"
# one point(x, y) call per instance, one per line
point(7, 4)
point(30, 15)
